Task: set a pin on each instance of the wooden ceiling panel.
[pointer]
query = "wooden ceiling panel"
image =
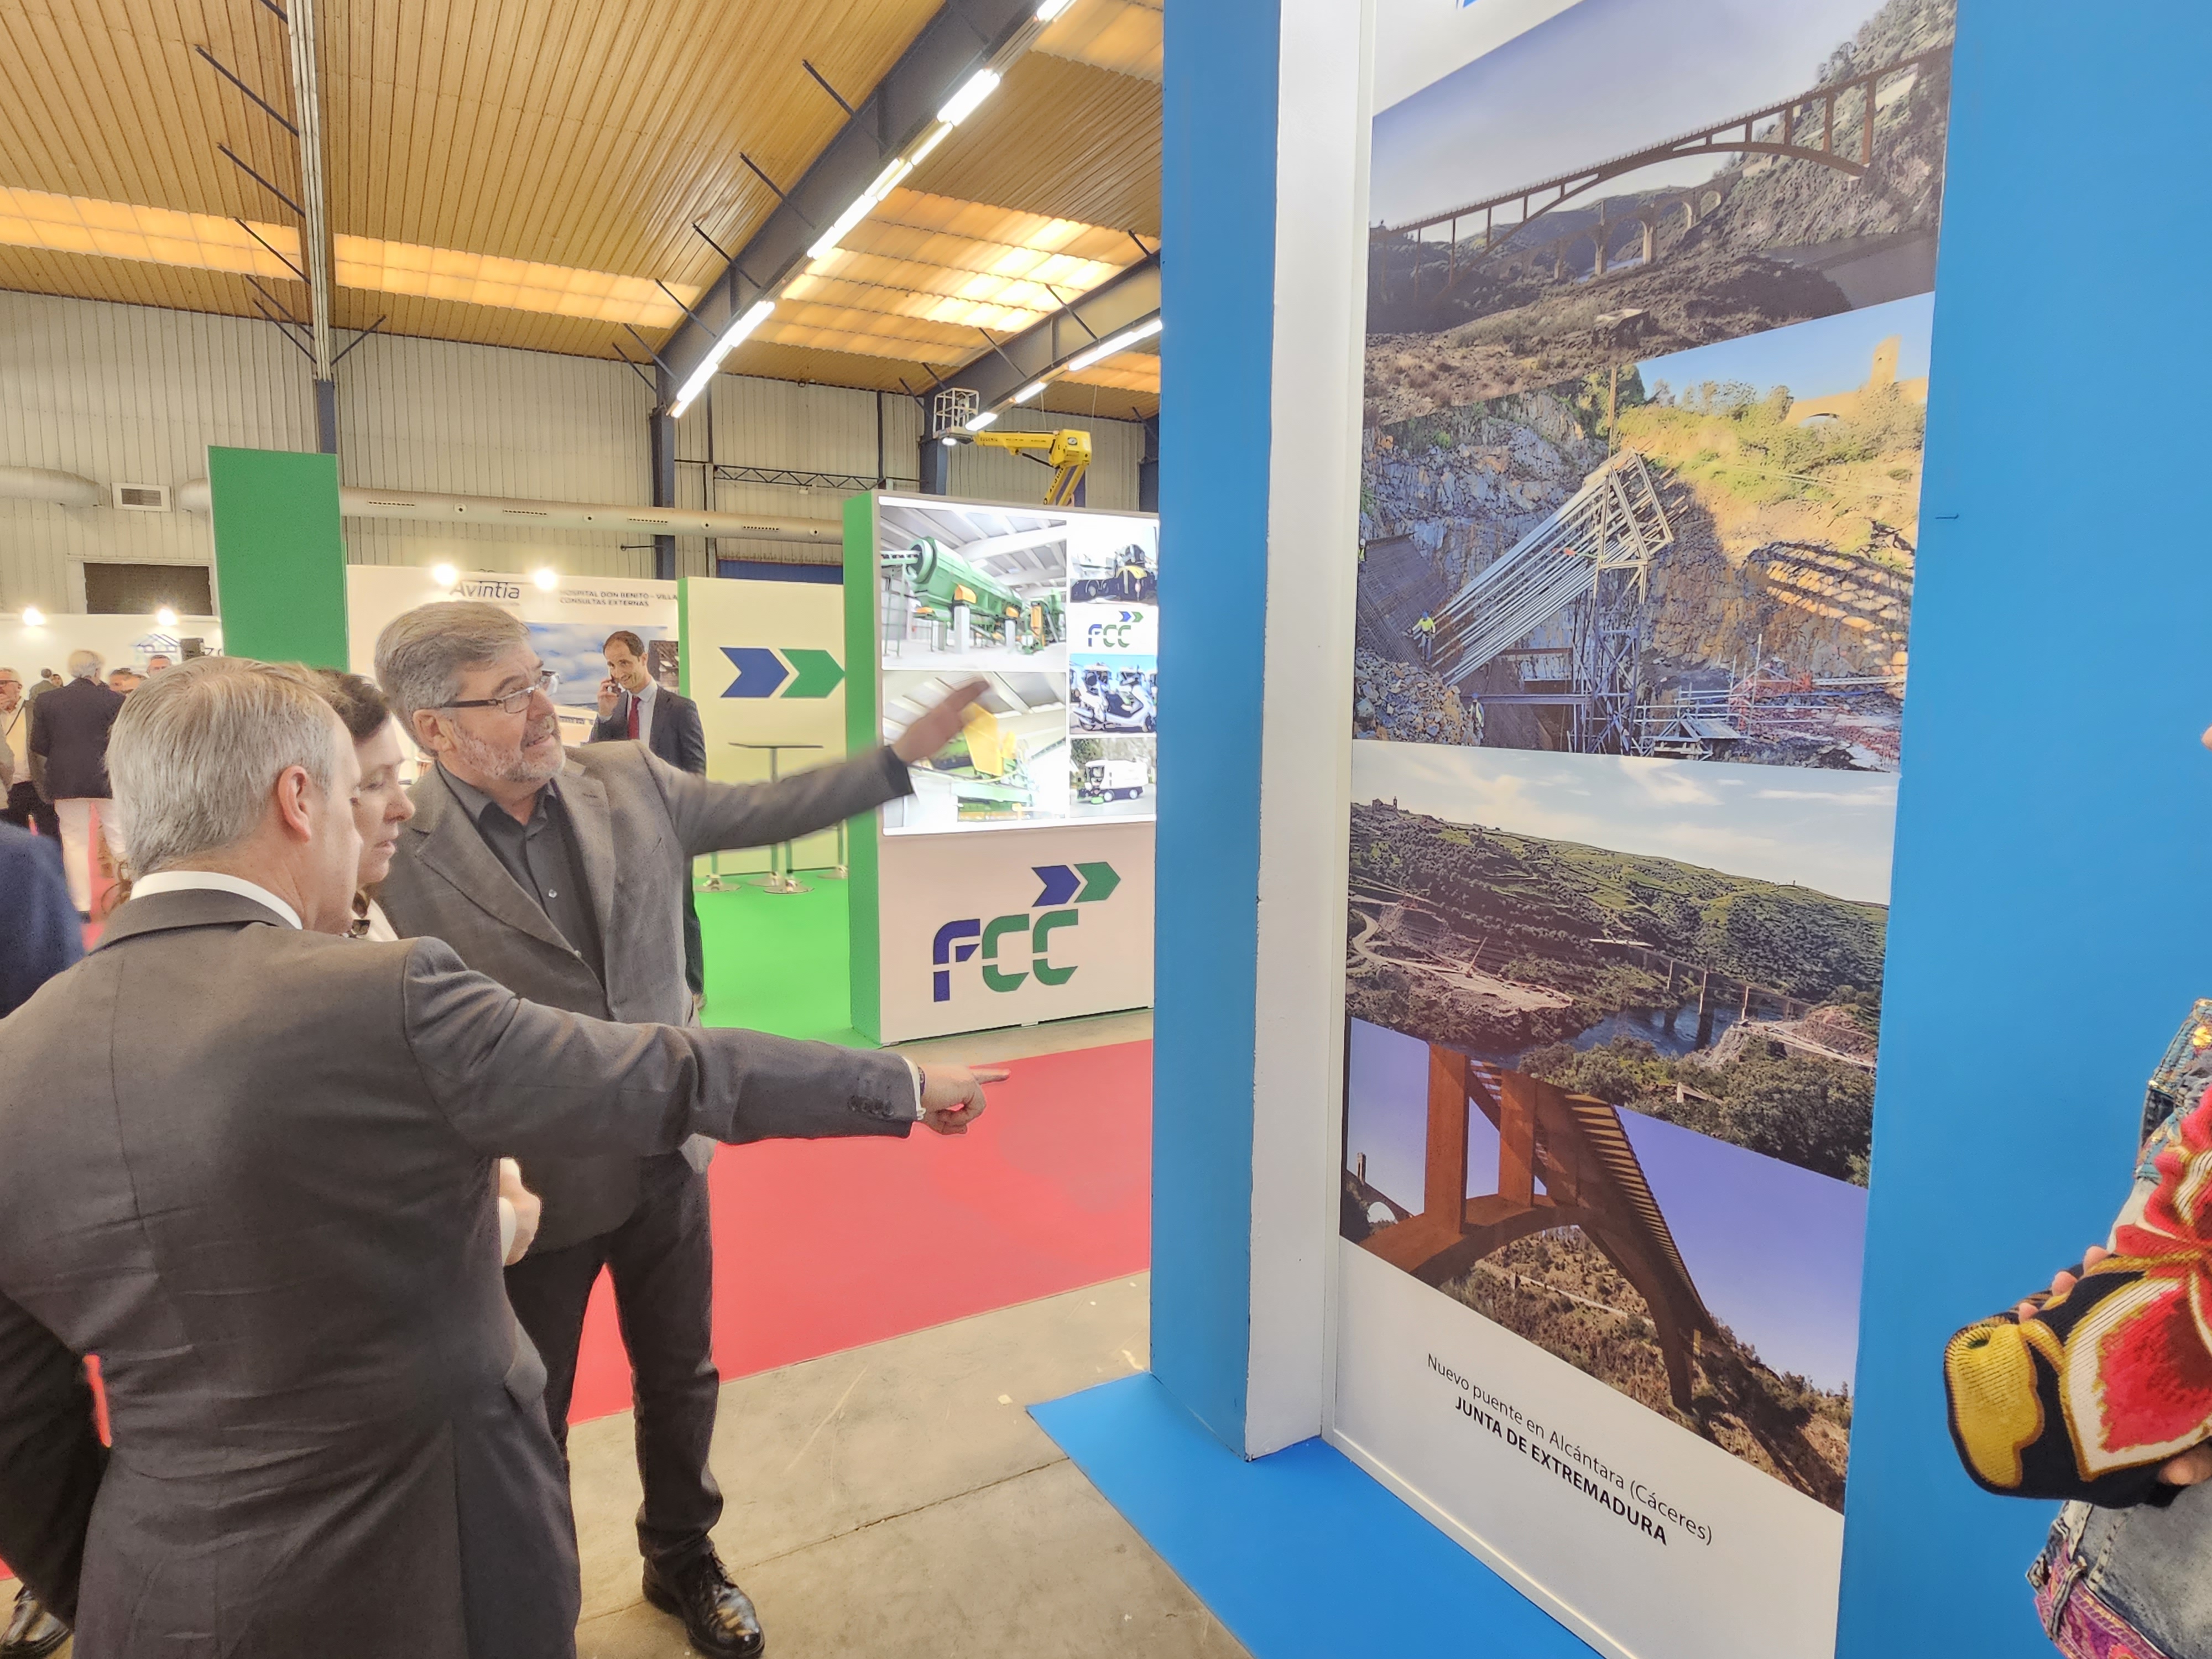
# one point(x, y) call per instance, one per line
point(1060, 138)
point(591, 134)
point(1121, 36)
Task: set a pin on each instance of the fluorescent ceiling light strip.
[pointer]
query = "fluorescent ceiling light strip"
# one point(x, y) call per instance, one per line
point(1051, 9)
point(1113, 343)
point(937, 135)
point(963, 104)
point(976, 423)
point(886, 182)
point(1034, 388)
point(733, 337)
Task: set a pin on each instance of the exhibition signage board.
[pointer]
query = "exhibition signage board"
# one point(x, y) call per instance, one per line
point(1015, 883)
point(1640, 478)
point(280, 559)
point(765, 662)
point(568, 622)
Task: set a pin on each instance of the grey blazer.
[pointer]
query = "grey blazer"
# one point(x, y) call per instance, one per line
point(639, 823)
point(252, 1168)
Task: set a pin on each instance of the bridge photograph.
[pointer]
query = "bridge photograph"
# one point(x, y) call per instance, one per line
point(1682, 940)
point(1715, 1287)
point(1626, 179)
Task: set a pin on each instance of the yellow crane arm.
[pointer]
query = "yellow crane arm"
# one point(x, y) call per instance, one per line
point(1068, 454)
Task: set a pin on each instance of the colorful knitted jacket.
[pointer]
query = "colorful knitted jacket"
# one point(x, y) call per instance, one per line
point(2103, 1384)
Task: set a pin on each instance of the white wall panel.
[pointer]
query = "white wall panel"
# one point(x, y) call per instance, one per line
point(485, 421)
point(129, 392)
point(132, 394)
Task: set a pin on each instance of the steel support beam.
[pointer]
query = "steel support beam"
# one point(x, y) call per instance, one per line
point(660, 444)
point(963, 37)
point(314, 230)
point(998, 371)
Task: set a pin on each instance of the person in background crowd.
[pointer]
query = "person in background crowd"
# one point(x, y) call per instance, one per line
point(42, 937)
point(121, 682)
point(512, 860)
point(155, 664)
point(22, 802)
point(48, 681)
point(334, 1437)
point(635, 705)
point(380, 806)
point(68, 734)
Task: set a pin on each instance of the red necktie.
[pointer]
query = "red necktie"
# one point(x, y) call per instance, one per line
point(633, 716)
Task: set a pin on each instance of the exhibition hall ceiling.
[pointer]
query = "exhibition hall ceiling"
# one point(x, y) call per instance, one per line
point(528, 175)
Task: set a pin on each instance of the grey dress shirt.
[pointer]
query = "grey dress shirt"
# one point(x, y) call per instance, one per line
point(542, 857)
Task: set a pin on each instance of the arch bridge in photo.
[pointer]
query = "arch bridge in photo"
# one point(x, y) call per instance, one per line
point(1806, 127)
point(1572, 1147)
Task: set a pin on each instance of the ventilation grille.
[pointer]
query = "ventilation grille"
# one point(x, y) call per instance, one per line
point(143, 498)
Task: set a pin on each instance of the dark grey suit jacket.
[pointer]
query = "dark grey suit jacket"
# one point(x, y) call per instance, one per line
point(639, 823)
point(252, 1168)
point(678, 736)
point(68, 734)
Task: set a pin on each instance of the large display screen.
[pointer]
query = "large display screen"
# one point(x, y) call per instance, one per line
point(1058, 612)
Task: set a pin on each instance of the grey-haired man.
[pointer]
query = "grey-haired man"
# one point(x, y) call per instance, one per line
point(562, 874)
point(250, 1165)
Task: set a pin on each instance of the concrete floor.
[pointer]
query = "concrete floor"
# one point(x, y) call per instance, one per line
point(896, 1501)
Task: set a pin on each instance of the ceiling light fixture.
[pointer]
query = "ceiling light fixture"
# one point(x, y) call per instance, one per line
point(937, 135)
point(165, 618)
point(1051, 9)
point(886, 182)
point(733, 337)
point(962, 105)
point(546, 578)
point(33, 617)
point(1034, 388)
point(1113, 343)
point(977, 422)
point(444, 575)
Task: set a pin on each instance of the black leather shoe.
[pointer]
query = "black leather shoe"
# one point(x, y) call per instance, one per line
point(717, 1617)
point(32, 1633)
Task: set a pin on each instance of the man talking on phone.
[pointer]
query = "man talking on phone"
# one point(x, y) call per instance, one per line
point(635, 707)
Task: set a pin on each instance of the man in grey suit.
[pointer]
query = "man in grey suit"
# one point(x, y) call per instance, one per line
point(562, 874)
point(250, 1164)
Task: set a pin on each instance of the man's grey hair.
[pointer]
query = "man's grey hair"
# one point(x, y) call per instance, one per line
point(421, 655)
point(195, 753)
point(84, 665)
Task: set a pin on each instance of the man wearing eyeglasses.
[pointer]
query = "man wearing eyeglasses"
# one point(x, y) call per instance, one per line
point(561, 873)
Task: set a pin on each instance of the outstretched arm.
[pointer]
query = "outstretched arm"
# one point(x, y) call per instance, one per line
point(520, 1080)
point(721, 817)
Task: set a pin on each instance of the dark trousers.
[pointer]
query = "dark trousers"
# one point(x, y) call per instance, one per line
point(695, 956)
point(28, 810)
point(662, 1262)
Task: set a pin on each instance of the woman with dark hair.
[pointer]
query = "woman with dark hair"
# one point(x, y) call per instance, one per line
point(384, 804)
point(380, 808)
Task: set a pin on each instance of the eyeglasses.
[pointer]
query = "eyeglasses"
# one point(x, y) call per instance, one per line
point(514, 701)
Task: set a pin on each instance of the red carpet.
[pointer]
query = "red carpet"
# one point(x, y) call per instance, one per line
point(824, 1245)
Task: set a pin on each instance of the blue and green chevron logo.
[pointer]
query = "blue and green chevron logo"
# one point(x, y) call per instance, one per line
point(789, 671)
point(993, 945)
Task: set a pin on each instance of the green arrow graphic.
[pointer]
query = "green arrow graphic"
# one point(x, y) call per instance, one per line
point(818, 672)
point(1099, 882)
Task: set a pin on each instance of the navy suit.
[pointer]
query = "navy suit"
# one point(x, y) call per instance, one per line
point(43, 935)
point(677, 737)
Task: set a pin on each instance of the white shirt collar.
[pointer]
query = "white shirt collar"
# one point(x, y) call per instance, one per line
point(186, 881)
point(652, 689)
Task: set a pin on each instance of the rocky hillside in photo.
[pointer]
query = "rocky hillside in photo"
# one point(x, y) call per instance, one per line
point(1559, 1292)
